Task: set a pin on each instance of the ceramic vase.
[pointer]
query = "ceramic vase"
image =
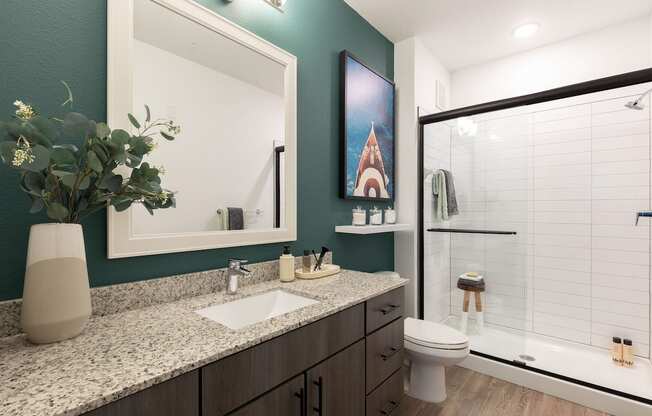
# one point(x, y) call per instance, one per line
point(56, 295)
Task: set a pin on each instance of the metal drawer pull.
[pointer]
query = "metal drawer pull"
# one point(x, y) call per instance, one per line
point(389, 309)
point(392, 352)
point(389, 409)
point(320, 384)
point(302, 398)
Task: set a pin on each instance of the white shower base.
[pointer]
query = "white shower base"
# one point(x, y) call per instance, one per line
point(577, 361)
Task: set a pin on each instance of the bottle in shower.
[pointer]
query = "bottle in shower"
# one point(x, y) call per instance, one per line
point(617, 351)
point(628, 353)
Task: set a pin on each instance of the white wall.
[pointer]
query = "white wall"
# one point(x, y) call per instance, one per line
point(415, 73)
point(221, 158)
point(617, 49)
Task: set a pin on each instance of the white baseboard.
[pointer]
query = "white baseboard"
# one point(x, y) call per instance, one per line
point(586, 396)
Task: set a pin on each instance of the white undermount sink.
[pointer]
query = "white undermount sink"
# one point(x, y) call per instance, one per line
point(253, 309)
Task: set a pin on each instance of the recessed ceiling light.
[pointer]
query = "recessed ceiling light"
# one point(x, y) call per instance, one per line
point(525, 31)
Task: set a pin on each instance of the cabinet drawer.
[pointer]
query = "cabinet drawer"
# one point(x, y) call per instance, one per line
point(237, 379)
point(386, 399)
point(384, 353)
point(384, 309)
point(176, 397)
point(286, 400)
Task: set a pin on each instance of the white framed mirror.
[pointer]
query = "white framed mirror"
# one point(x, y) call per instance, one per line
point(233, 166)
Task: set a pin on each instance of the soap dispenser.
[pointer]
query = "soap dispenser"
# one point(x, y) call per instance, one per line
point(286, 265)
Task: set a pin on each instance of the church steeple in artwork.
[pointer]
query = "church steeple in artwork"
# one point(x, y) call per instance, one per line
point(371, 179)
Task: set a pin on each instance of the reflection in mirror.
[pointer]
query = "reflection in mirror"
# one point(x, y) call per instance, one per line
point(226, 166)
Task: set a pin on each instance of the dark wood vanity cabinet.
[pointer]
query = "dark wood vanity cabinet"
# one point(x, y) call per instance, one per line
point(288, 399)
point(176, 397)
point(336, 386)
point(347, 364)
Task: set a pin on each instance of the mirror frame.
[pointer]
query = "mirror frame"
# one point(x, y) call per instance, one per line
point(121, 241)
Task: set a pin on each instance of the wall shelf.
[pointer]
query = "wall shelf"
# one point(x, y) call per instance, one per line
point(372, 229)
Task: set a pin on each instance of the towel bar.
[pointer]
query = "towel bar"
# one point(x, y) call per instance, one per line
point(463, 231)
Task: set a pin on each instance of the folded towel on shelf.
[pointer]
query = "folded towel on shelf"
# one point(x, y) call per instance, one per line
point(224, 214)
point(236, 218)
point(439, 195)
point(451, 199)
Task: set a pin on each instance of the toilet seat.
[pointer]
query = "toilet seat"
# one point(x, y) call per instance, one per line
point(433, 335)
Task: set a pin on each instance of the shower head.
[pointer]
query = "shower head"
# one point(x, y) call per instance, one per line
point(636, 104)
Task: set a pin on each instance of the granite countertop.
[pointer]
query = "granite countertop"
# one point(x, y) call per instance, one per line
point(120, 354)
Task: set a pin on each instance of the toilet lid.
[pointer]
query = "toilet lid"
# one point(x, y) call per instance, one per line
point(434, 335)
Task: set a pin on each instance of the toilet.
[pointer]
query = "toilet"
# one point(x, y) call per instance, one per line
point(430, 347)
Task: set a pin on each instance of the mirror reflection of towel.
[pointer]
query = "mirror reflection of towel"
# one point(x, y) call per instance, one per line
point(236, 218)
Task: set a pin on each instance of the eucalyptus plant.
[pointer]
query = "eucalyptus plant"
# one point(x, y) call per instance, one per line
point(71, 182)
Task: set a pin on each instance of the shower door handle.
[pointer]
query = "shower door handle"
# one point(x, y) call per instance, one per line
point(642, 214)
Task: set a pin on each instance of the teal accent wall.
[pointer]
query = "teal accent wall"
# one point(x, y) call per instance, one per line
point(42, 42)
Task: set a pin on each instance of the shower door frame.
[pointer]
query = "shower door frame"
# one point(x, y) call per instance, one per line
point(597, 85)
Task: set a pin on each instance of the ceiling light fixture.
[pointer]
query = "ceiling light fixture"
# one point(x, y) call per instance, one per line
point(526, 30)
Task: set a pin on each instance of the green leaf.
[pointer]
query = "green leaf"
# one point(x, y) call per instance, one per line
point(133, 121)
point(101, 152)
point(138, 146)
point(75, 125)
point(49, 132)
point(56, 211)
point(149, 207)
point(121, 203)
point(37, 205)
point(103, 131)
point(63, 156)
point(7, 150)
point(34, 183)
point(85, 183)
point(120, 137)
point(69, 180)
point(94, 162)
point(112, 183)
point(41, 159)
point(149, 113)
point(166, 136)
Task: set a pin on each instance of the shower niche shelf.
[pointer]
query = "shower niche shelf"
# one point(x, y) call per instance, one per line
point(371, 229)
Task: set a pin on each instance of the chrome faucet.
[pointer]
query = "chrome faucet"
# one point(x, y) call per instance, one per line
point(235, 270)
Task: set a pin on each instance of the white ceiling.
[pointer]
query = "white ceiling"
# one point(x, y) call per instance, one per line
point(467, 32)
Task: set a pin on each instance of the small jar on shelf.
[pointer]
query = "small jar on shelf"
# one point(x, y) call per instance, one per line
point(375, 216)
point(359, 216)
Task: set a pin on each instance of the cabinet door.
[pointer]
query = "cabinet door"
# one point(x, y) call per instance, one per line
point(286, 400)
point(176, 397)
point(336, 387)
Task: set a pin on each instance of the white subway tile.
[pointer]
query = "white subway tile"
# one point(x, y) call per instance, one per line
point(563, 136)
point(619, 142)
point(562, 229)
point(570, 276)
point(619, 168)
point(623, 308)
point(578, 146)
point(561, 125)
point(562, 298)
point(632, 179)
point(563, 310)
point(617, 117)
point(567, 159)
point(562, 287)
point(618, 256)
point(619, 155)
point(625, 244)
point(620, 282)
point(623, 295)
point(561, 321)
point(620, 192)
point(621, 269)
point(561, 332)
point(620, 231)
point(620, 130)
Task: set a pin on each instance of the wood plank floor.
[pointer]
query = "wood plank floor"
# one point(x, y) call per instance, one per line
point(475, 394)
